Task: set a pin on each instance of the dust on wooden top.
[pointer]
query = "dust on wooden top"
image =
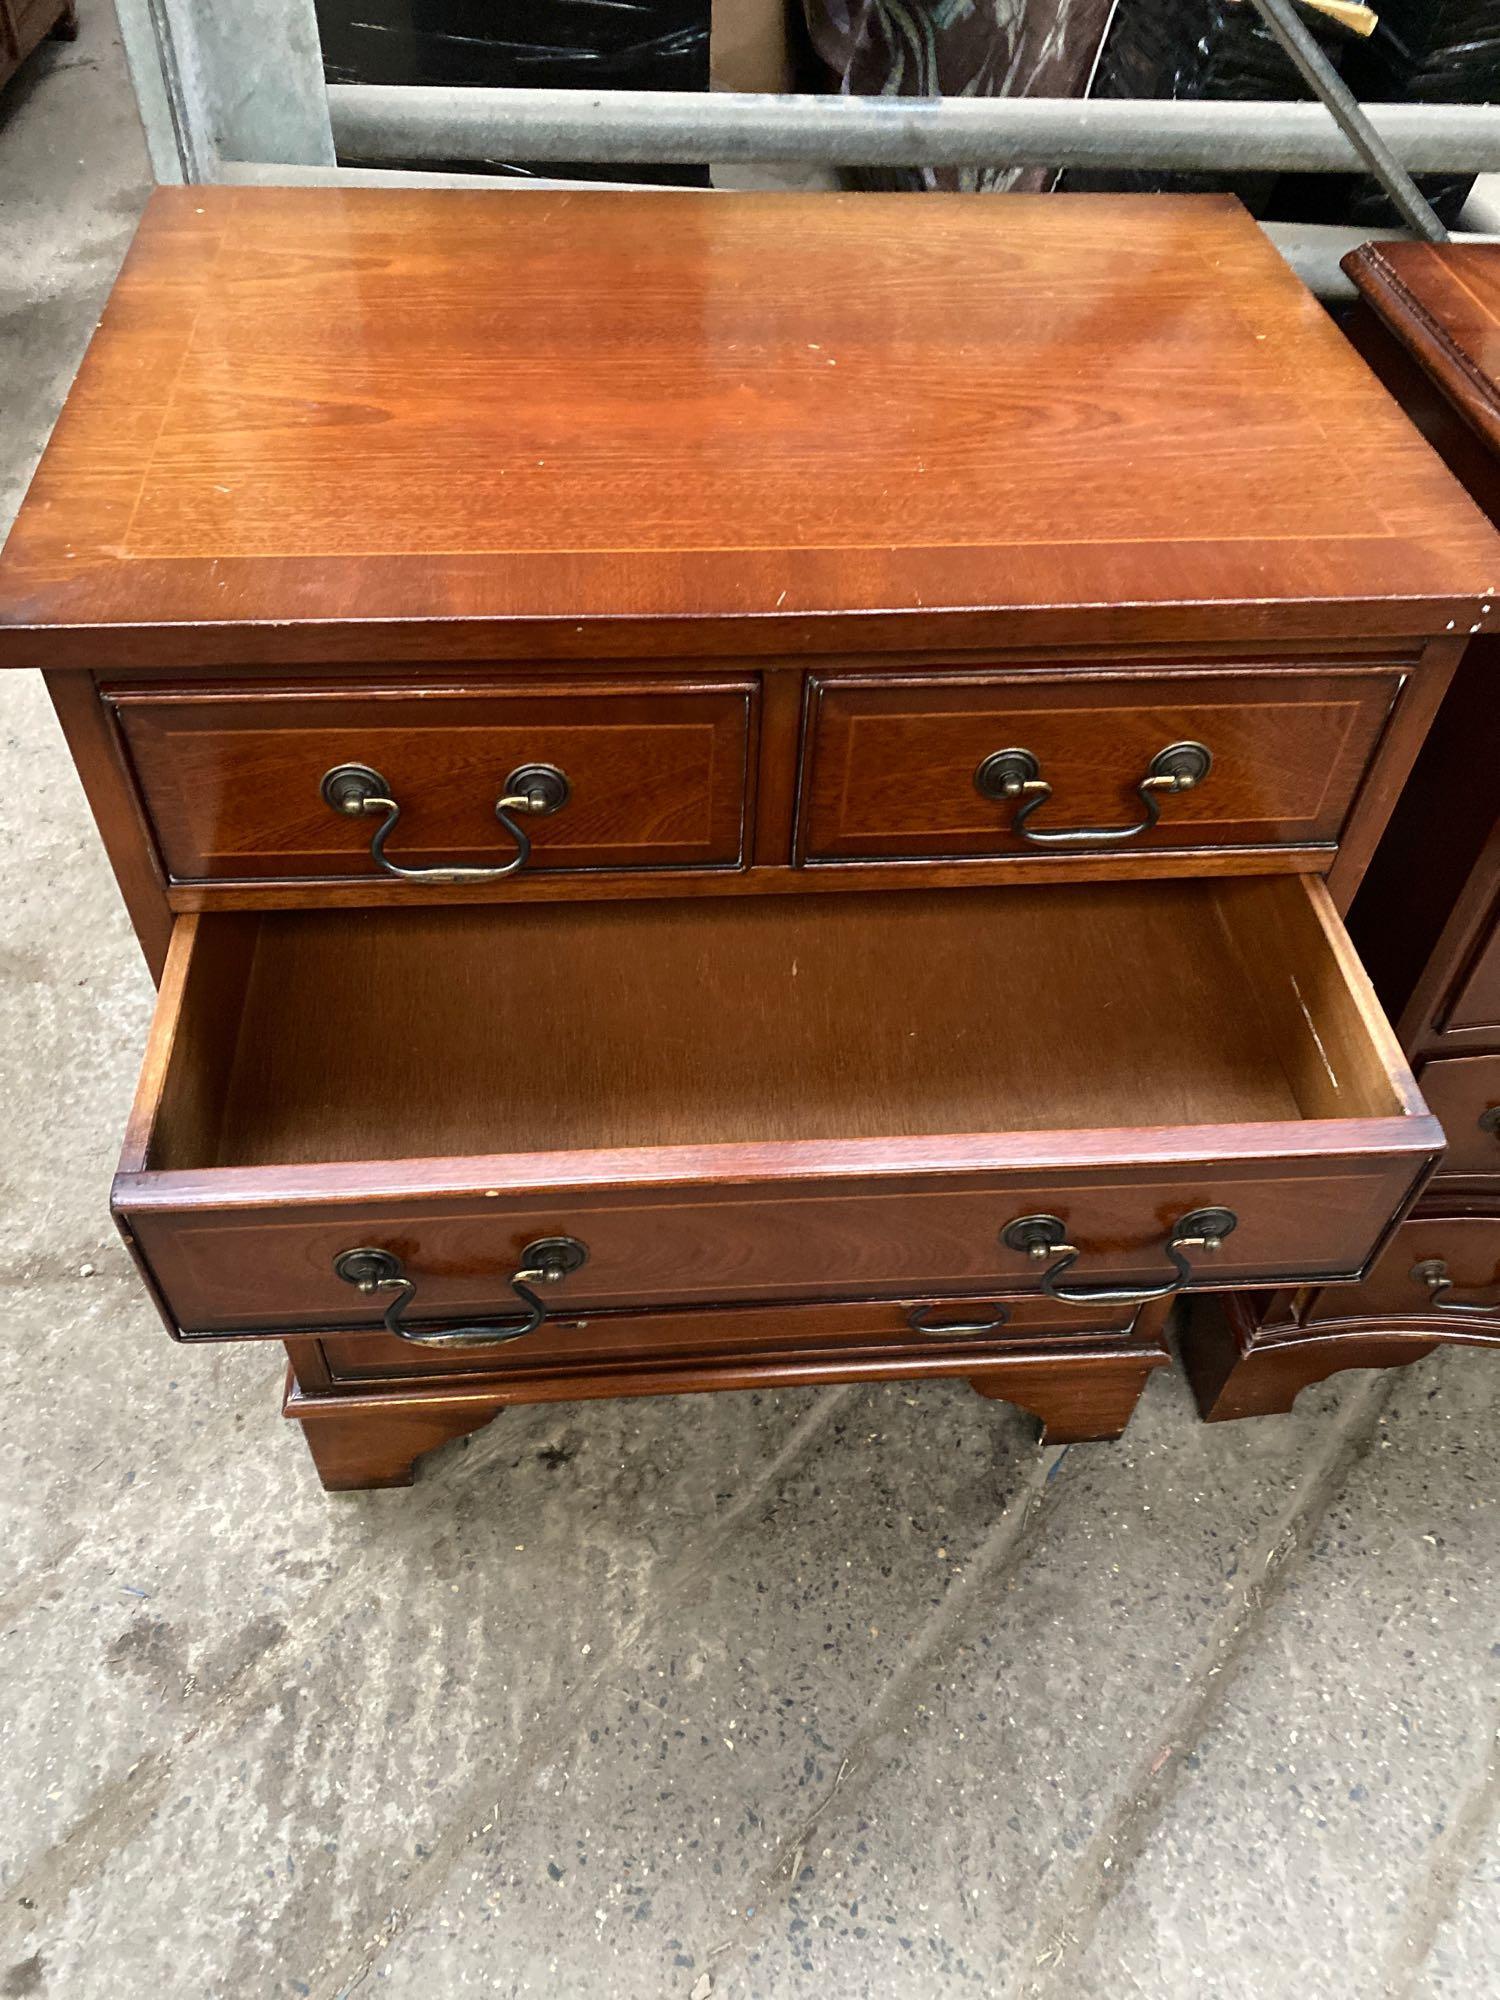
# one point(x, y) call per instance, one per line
point(324, 424)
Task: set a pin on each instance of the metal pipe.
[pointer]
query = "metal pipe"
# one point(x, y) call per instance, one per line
point(429, 121)
point(1301, 45)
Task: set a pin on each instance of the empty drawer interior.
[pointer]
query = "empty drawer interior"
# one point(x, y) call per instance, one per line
point(343, 1036)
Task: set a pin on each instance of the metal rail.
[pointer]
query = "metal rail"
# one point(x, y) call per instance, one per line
point(417, 121)
point(1301, 46)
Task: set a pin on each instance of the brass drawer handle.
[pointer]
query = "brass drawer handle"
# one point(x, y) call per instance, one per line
point(958, 1329)
point(1045, 1236)
point(1489, 1121)
point(1433, 1273)
point(1016, 774)
point(544, 1262)
point(353, 789)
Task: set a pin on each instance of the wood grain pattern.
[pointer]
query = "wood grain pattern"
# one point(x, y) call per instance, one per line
point(373, 1436)
point(269, 825)
point(658, 773)
point(891, 760)
point(1425, 916)
point(270, 1268)
point(600, 422)
point(1443, 304)
point(784, 1100)
point(780, 1022)
point(624, 472)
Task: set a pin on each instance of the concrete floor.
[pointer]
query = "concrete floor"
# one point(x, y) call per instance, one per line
point(821, 1694)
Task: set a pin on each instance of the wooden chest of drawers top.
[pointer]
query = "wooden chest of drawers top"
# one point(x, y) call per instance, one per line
point(321, 425)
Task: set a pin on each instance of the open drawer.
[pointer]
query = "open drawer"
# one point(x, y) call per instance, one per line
point(964, 1093)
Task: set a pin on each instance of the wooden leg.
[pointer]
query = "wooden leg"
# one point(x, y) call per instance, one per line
point(1232, 1376)
point(66, 28)
point(1077, 1400)
point(355, 1448)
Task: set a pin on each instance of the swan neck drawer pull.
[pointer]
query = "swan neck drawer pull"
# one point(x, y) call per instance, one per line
point(953, 1329)
point(544, 1262)
point(355, 789)
point(1017, 775)
point(1433, 1273)
point(1045, 1237)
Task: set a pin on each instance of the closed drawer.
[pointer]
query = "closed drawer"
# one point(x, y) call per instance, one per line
point(1438, 1271)
point(1463, 1093)
point(1475, 1004)
point(912, 768)
point(753, 1100)
point(875, 1327)
point(232, 777)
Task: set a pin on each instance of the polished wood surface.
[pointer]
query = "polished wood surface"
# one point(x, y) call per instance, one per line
point(737, 1334)
point(1427, 916)
point(1442, 303)
point(1250, 1355)
point(1463, 1094)
point(658, 773)
point(758, 1024)
point(784, 1099)
point(765, 1023)
point(1237, 1370)
point(119, 812)
point(765, 518)
point(228, 764)
point(356, 424)
point(234, 1265)
point(1468, 1244)
point(891, 760)
point(375, 1434)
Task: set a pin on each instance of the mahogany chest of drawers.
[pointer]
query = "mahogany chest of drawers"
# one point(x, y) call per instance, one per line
point(1427, 917)
point(733, 790)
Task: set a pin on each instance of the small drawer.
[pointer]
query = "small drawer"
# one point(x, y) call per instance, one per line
point(1463, 1094)
point(967, 1094)
point(920, 768)
point(1438, 1271)
point(236, 779)
point(885, 1328)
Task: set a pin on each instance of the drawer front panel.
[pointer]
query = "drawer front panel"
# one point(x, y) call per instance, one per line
point(891, 763)
point(1476, 1000)
point(249, 1269)
point(657, 777)
point(1463, 1094)
point(1406, 1281)
point(876, 1327)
